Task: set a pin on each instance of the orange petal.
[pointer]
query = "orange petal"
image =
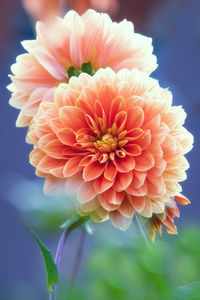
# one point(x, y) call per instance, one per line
point(147, 211)
point(144, 140)
point(182, 199)
point(101, 184)
point(72, 117)
point(72, 166)
point(117, 105)
point(113, 197)
point(84, 135)
point(125, 164)
point(138, 179)
point(35, 156)
point(93, 171)
point(135, 118)
point(169, 225)
point(132, 149)
point(142, 191)
point(122, 181)
point(94, 126)
point(155, 185)
point(87, 160)
point(144, 162)
point(55, 124)
point(45, 139)
point(110, 171)
point(120, 120)
point(134, 134)
point(137, 202)
point(47, 163)
point(105, 204)
point(159, 168)
point(54, 149)
point(66, 136)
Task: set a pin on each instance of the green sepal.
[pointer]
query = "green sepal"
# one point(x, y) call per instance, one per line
point(50, 266)
point(74, 222)
point(73, 72)
point(87, 68)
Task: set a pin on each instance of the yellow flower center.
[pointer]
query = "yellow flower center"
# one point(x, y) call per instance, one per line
point(107, 143)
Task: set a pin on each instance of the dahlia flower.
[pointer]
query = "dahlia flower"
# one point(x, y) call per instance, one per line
point(117, 140)
point(166, 219)
point(81, 6)
point(67, 45)
point(44, 10)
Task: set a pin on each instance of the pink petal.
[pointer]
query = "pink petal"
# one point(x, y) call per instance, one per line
point(86, 192)
point(137, 202)
point(119, 221)
point(72, 117)
point(126, 209)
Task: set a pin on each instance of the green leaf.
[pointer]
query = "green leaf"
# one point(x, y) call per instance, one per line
point(74, 222)
point(190, 291)
point(50, 267)
point(87, 68)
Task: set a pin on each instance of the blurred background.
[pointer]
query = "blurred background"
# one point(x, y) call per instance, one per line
point(112, 268)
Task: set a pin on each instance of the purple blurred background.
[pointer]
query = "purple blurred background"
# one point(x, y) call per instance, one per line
point(174, 26)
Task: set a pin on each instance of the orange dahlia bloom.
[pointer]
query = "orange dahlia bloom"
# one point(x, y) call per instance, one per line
point(68, 44)
point(117, 139)
point(166, 219)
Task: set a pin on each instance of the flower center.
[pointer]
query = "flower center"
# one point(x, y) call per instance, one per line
point(107, 143)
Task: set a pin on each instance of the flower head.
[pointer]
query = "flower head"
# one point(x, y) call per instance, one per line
point(81, 6)
point(117, 139)
point(68, 44)
point(45, 10)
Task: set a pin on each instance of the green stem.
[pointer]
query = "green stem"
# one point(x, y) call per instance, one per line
point(77, 259)
point(51, 296)
point(77, 223)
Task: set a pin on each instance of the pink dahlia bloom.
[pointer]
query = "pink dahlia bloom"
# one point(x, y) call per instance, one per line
point(71, 42)
point(43, 10)
point(81, 6)
point(117, 138)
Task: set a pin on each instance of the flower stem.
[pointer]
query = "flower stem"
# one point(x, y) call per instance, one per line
point(77, 259)
point(138, 221)
point(51, 296)
point(61, 246)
